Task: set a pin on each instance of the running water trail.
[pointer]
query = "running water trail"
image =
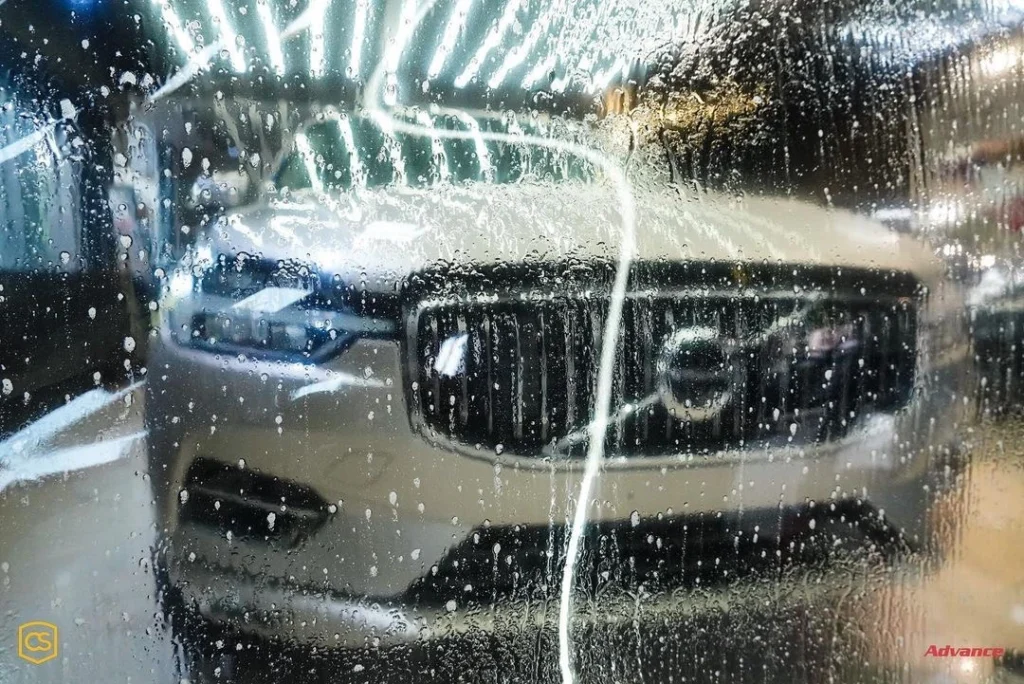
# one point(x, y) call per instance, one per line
point(627, 213)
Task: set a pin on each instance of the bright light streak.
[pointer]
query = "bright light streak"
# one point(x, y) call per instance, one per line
point(394, 148)
point(359, 35)
point(301, 23)
point(317, 49)
point(542, 69)
point(199, 61)
point(355, 165)
point(227, 34)
point(271, 300)
point(274, 53)
point(177, 28)
point(515, 127)
point(944, 213)
point(180, 284)
point(39, 435)
point(451, 357)
point(601, 81)
point(490, 42)
point(36, 466)
point(483, 157)
point(308, 158)
point(451, 34)
point(519, 53)
point(393, 55)
point(1000, 61)
point(556, 15)
point(203, 256)
point(23, 145)
point(335, 382)
point(584, 66)
point(436, 147)
point(391, 90)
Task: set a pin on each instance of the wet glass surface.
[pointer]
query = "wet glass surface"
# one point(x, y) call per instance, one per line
point(442, 340)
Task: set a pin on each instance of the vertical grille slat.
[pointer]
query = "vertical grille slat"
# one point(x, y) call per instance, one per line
point(646, 337)
point(434, 400)
point(542, 353)
point(507, 379)
point(489, 350)
point(669, 325)
point(463, 330)
point(570, 364)
point(522, 372)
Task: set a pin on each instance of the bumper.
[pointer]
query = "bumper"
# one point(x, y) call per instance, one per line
point(320, 621)
point(397, 511)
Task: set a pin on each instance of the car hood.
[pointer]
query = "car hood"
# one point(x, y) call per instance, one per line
point(383, 236)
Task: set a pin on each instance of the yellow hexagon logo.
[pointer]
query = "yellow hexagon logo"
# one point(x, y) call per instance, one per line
point(37, 642)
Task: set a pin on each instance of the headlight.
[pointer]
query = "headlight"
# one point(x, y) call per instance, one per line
point(842, 359)
point(266, 331)
point(279, 310)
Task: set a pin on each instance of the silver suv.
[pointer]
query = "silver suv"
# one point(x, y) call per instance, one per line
point(372, 385)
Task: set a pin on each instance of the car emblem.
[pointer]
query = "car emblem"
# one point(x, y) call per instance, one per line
point(695, 370)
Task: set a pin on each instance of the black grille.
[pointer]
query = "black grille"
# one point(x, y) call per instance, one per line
point(517, 372)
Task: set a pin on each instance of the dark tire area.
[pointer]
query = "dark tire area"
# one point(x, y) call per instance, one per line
point(197, 658)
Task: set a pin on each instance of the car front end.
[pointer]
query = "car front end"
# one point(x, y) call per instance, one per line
point(377, 438)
